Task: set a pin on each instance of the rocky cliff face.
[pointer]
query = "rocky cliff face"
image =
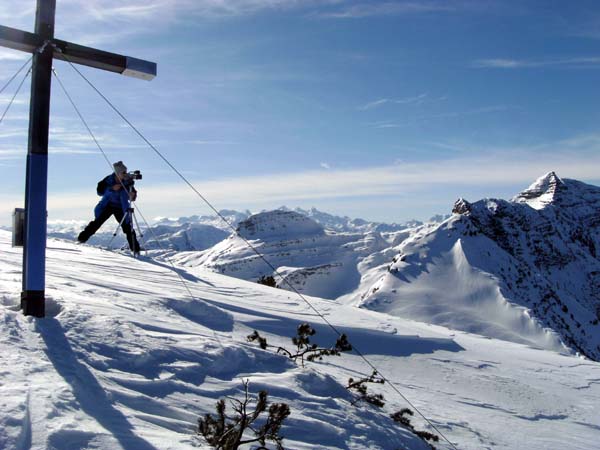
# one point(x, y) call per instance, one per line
point(528, 266)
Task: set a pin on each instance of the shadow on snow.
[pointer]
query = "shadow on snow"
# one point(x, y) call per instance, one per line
point(87, 391)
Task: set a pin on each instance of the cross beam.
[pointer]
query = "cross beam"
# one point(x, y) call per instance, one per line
point(45, 48)
point(74, 53)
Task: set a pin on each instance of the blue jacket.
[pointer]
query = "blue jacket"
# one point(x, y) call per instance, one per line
point(113, 198)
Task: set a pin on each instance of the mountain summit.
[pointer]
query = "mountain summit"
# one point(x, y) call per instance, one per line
point(542, 192)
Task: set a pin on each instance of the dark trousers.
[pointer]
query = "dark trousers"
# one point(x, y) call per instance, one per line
point(110, 210)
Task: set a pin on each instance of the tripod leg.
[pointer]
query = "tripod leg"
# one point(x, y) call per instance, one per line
point(117, 229)
point(128, 228)
point(137, 226)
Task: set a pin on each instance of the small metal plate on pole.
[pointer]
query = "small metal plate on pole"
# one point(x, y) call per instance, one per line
point(18, 227)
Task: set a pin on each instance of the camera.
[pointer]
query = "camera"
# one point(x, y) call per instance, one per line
point(135, 175)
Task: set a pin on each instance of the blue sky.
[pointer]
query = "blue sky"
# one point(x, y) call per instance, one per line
point(383, 110)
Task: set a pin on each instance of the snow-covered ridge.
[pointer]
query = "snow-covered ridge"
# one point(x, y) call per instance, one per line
point(526, 270)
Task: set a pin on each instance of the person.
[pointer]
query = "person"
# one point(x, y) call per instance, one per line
point(116, 190)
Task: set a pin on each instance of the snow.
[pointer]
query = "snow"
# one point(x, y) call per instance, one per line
point(125, 359)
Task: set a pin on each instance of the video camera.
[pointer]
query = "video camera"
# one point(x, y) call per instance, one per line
point(135, 175)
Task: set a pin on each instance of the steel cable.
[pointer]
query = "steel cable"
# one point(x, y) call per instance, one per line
point(15, 94)
point(15, 75)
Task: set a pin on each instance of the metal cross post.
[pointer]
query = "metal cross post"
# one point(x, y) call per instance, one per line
point(45, 48)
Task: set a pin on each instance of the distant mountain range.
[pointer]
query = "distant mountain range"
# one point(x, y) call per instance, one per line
point(524, 270)
point(196, 233)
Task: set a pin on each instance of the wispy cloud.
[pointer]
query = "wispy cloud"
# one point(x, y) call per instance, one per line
point(11, 133)
point(447, 115)
point(369, 9)
point(325, 165)
point(4, 100)
point(12, 55)
point(16, 13)
point(374, 104)
point(71, 151)
point(61, 137)
point(16, 118)
point(212, 142)
point(94, 22)
point(415, 100)
point(501, 63)
point(174, 10)
point(10, 154)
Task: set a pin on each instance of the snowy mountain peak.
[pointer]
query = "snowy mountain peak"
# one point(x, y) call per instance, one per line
point(543, 191)
point(277, 224)
point(461, 206)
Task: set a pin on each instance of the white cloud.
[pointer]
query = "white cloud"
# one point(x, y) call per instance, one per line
point(212, 142)
point(324, 165)
point(500, 63)
point(12, 55)
point(92, 22)
point(11, 133)
point(414, 100)
point(370, 9)
point(447, 115)
point(4, 101)
point(374, 104)
point(71, 151)
point(12, 153)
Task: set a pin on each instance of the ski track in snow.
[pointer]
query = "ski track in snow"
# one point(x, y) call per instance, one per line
point(126, 360)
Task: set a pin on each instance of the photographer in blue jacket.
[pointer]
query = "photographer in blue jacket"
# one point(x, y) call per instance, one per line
point(117, 191)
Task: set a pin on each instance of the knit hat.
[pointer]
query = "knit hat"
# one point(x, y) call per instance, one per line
point(119, 167)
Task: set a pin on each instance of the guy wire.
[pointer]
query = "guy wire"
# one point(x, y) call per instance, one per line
point(15, 75)
point(15, 94)
point(311, 306)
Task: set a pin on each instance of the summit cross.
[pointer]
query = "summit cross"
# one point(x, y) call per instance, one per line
point(44, 47)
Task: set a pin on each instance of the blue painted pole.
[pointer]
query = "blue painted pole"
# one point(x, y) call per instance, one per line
point(36, 183)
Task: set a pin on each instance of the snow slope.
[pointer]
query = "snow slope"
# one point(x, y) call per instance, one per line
point(525, 270)
point(126, 359)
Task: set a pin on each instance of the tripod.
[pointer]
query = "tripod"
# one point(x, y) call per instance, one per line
point(134, 224)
